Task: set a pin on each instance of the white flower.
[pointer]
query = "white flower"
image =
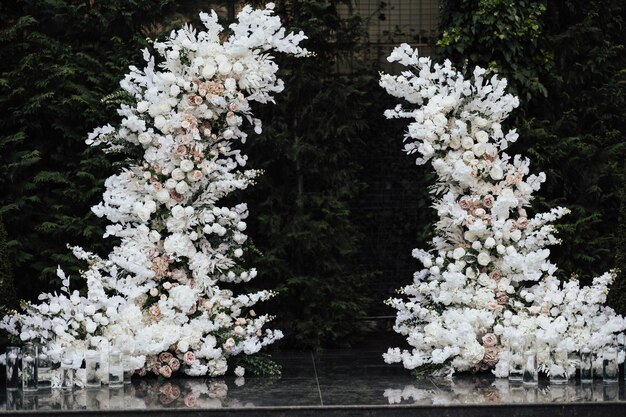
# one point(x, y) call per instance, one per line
point(186, 165)
point(483, 259)
point(178, 174)
point(144, 138)
point(458, 253)
point(496, 172)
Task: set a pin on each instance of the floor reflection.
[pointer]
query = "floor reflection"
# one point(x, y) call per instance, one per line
point(331, 378)
point(485, 390)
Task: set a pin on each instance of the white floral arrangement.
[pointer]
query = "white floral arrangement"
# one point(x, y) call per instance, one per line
point(487, 279)
point(158, 296)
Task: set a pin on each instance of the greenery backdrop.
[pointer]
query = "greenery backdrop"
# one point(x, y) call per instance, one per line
point(340, 207)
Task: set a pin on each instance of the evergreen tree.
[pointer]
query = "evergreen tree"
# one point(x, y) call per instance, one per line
point(7, 285)
point(59, 59)
point(617, 296)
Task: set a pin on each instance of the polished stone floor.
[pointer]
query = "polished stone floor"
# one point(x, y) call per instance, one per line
point(329, 379)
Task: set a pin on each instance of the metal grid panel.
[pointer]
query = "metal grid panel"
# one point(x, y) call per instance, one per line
point(392, 22)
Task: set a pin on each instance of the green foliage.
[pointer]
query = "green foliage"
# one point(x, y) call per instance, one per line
point(617, 294)
point(260, 364)
point(8, 297)
point(565, 59)
point(502, 34)
point(59, 58)
point(300, 210)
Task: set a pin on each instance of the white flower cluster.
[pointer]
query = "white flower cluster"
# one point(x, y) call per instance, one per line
point(159, 294)
point(488, 278)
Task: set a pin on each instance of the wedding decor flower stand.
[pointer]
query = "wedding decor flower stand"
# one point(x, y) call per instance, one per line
point(163, 298)
point(487, 280)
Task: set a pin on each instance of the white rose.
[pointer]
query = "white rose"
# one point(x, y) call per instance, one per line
point(186, 165)
point(469, 236)
point(455, 143)
point(237, 68)
point(178, 212)
point(208, 71)
point(90, 326)
point(458, 253)
point(163, 196)
point(182, 187)
point(496, 172)
point(477, 245)
point(224, 68)
point(479, 149)
point(174, 90)
point(178, 174)
point(159, 123)
point(501, 249)
point(239, 371)
point(483, 258)
point(468, 156)
point(145, 138)
point(467, 143)
point(171, 183)
point(238, 252)
point(230, 84)
point(154, 236)
point(142, 106)
point(482, 136)
point(516, 235)
point(490, 242)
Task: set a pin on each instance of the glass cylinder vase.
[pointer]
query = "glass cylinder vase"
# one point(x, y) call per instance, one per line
point(558, 366)
point(116, 369)
point(30, 359)
point(610, 368)
point(128, 370)
point(516, 361)
point(67, 374)
point(530, 366)
point(586, 366)
point(44, 371)
point(93, 369)
point(13, 359)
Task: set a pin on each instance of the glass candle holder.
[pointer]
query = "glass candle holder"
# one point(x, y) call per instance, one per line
point(621, 352)
point(93, 365)
point(13, 359)
point(586, 366)
point(30, 358)
point(116, 369)
point(558, 366)
point(44, 371)
point(516, 361)
point(610, 369)
point(128, 370)
point(530, 366)
point(67, 374)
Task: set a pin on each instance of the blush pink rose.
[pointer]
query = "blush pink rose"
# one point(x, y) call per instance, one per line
point(490, 340)
point(190, 400)
point(488, 201)
point(189, 357)
point(174, 364)
point(165, 357)
point(166, 371)
point(492, 355)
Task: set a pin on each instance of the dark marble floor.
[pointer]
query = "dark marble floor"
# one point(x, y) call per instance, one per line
point(329, 379)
